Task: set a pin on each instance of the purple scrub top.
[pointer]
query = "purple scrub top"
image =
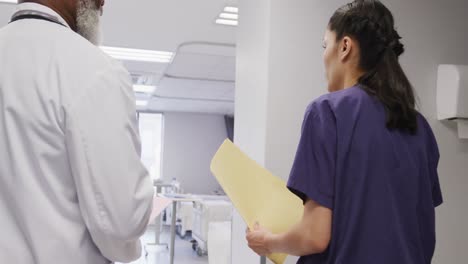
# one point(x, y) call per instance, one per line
point(382, 185)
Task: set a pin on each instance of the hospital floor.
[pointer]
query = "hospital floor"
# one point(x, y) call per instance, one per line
point(184, 253)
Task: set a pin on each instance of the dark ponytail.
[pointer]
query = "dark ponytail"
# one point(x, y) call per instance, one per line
point(371, 24)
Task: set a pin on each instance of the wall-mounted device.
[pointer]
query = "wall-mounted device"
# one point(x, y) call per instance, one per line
point(452, 96)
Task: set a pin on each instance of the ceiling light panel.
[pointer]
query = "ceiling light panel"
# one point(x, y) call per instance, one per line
point(228, 17)
point(138, 55)
point(231, 9)
point(226, 22)
point(141, 103)
point(138, 88)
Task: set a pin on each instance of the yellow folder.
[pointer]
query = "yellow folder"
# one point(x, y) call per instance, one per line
point(258, 195)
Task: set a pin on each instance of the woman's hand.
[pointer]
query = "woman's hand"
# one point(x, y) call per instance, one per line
point(258, 239)
point(311, 235)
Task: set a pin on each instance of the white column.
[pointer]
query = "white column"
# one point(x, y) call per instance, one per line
point(251, 100)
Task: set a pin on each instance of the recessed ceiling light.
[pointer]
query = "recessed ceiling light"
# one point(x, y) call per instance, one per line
point(138, 88)
point(229, 16)
point(141, 102)
point(227, 22)
point(138, 54)
point(231, 9)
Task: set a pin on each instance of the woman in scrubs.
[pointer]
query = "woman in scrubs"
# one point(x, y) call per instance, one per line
point(366, 164)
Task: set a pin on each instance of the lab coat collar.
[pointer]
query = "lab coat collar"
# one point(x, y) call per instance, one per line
point(42, 9)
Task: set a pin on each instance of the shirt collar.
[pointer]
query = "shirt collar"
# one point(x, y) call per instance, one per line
point(42, 9)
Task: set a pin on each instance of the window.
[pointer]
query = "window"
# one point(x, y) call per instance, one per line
point(150, 126)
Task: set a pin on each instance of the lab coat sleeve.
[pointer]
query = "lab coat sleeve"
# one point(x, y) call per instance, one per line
point(114, 189)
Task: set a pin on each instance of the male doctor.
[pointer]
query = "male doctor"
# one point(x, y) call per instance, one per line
point(72, 187)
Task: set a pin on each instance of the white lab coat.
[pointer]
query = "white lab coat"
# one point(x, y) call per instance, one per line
point(72, 187)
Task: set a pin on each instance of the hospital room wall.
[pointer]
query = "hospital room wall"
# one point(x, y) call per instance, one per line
point(189, 143)
point(6, 10)
point(292, 73)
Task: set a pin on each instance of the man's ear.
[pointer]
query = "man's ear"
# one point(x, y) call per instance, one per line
point(99, 3)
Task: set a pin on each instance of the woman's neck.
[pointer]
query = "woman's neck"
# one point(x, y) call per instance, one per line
point(351, 79)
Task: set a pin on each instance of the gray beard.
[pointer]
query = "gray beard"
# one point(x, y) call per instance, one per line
point(88, 21)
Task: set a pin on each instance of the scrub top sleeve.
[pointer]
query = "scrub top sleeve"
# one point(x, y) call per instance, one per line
point(436, 191)
point(434, 157)
point(313, 172)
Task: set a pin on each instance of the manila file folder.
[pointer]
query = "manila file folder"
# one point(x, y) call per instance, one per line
point(258, 195)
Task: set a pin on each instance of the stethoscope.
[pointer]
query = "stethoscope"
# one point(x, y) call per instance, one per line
point(31, 14)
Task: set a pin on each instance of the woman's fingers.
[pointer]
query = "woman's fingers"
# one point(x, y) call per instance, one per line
point(256, 240)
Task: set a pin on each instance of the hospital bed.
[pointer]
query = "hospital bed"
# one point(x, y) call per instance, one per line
point(206, 211)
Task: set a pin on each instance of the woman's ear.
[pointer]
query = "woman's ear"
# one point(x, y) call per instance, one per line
point(346, 46)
